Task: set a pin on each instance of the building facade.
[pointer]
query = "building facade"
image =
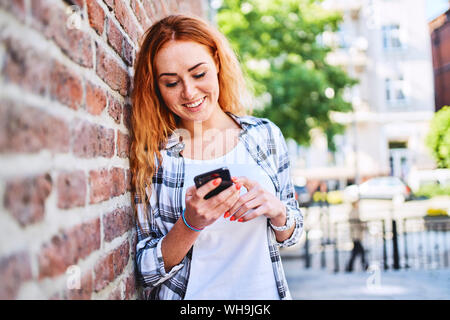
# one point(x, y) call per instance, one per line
point(440, 45)
point(385, 45)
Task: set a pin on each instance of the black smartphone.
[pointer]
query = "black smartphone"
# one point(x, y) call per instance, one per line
point(223, 173)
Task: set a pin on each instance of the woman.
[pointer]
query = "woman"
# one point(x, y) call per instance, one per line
point(188, 119)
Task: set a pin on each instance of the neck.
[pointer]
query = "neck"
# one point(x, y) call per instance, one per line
point(219, 120)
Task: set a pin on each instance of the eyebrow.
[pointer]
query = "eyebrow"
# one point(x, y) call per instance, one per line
point(189, 70)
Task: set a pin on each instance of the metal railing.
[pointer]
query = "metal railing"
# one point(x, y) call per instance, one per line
point(404, 243)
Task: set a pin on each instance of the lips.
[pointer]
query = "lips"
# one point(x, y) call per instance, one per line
point(195, 103)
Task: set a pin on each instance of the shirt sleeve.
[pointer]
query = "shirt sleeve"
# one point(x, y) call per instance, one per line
point(149, 259)
point(287, 193)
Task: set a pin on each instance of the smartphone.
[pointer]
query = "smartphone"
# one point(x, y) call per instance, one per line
point(223, 173)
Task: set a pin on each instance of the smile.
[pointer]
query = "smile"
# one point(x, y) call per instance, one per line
point(195, 103)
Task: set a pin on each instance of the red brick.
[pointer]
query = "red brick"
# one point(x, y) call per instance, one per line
point(128, 180)
point(26, 129)
point(91, 140)
point(130, 286)
point(100, 184)
point(51, 20)
point(140, 14)
point(66, 86)
point(114, 36)
point(104, 272)
point(118, 181)
point(71, 188)
point(25, 198)
point(76, 44)
point(66, 248)
point(96, 15)
point(25, 66)
point(127, 116)
point(117, 222)
point(121, 256)
point(124, 16)
point(95, 99)
point(114, 109)
point(14, 270)
point(112, 72)
point(123, 145)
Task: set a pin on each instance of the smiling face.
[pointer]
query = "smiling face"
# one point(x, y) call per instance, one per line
point(187, 80)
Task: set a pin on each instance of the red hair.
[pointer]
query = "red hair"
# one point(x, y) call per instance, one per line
point(152, 121)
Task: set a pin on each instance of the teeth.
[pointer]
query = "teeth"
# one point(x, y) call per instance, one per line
point(195, 104)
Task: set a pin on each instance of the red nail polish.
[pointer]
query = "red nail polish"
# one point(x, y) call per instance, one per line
point(241, 219)
point(227, 214)
point(216, 182)
point(238, 186)
point(232, 218)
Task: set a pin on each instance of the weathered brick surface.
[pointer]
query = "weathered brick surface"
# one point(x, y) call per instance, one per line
point(65, 134)
point(71, 188)
point(25, 198)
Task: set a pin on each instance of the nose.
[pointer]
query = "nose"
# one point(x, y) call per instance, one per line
point(188, 92)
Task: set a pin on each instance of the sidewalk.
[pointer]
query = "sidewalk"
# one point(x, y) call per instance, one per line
point(390, 285)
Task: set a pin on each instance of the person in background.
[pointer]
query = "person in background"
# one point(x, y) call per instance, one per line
point(357, 229)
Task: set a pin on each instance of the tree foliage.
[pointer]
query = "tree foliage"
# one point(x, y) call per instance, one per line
point(438, 138)
point(279, 45)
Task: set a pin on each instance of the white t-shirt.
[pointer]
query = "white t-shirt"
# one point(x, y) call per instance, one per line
point(230, 259)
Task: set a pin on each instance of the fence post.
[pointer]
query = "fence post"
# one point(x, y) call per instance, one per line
point(385, 265)
point(336, 252)
point(395, 245)
point(405, 243)
point(307, 256)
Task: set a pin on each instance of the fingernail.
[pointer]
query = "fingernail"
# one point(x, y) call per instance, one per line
point(227, 214)
point(241, 219)
point(238, 186)
point(216, 182)
point(232, 218)
point(233, 179)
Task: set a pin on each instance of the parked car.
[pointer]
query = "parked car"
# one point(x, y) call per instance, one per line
point(302, 196)
point(381, 188)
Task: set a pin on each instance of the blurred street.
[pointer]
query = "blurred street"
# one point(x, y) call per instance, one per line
point(374, 285)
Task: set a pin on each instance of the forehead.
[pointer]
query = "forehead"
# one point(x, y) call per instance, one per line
point(177, 56)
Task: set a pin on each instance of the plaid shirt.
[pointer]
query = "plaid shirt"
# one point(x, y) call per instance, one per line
point(265, 143)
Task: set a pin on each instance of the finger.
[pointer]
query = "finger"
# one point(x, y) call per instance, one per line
point(246, 182)
point(261, 210)
point(191, 191)
point(228, 201)
point(243, 199)
point(207, 187)
point(247, 206)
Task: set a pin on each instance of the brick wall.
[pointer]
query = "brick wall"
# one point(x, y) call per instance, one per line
point(66, 220)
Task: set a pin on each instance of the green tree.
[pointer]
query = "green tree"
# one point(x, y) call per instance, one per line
point(279, 45)
point(438, 138)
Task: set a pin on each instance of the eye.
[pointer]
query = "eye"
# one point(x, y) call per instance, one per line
point(200, 75)
point(171, 84)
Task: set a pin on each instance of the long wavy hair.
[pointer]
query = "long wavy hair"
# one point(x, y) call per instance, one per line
point(152, 122)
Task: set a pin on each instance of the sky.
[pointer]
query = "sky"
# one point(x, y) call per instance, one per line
point(435, 7)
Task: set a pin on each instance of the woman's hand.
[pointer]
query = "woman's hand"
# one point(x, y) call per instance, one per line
point(262, 201)
point(200, 212)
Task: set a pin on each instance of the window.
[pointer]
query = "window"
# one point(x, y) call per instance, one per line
point(395, 91)
point(391, 36)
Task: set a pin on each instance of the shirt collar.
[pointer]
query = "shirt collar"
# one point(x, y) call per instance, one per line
point(175, 141)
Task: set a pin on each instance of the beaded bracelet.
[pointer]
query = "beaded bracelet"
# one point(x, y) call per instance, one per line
point(187, 224)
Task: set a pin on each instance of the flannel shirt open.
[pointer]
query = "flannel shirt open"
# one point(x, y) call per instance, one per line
point(265, 143)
